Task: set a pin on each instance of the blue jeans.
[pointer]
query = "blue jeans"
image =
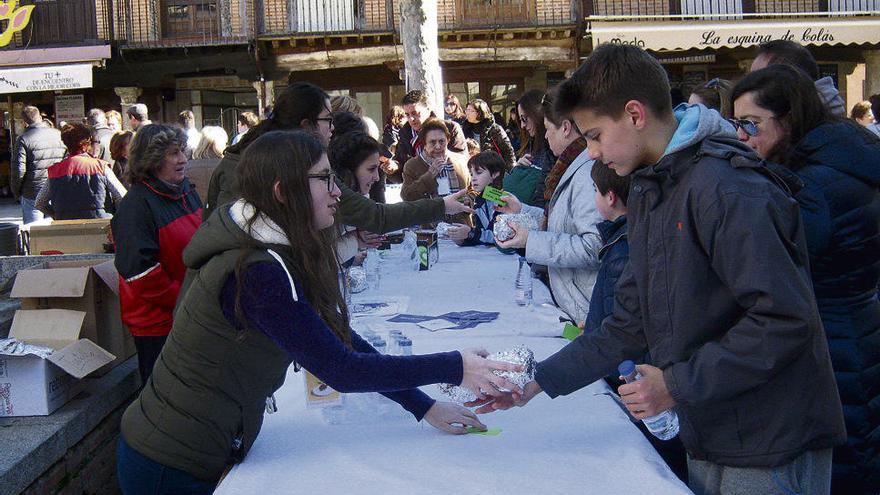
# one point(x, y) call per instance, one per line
point(140, 475)
point(29, 213)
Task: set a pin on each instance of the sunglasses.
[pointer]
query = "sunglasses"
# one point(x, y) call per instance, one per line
point(330, 178)
point(749, 127)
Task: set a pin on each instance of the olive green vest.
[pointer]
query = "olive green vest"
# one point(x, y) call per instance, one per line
point(203, 407)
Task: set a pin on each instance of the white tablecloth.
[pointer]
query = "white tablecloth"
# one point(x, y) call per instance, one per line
point(582, 443)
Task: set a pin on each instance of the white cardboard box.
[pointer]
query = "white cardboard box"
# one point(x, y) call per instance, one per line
point(33, 386)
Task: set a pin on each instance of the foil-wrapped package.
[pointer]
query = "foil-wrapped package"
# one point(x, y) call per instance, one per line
point(357, 279)
point(518, 355)
point(502, 229)
point(443, 230)
point(13, 347)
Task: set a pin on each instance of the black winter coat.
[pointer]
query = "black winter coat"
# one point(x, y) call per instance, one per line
point(492, 137)
point(613, 258)
point(37, 149)
point(839, 164)
point(718, 290)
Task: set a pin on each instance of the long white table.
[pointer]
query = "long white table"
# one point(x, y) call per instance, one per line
point(582, 443)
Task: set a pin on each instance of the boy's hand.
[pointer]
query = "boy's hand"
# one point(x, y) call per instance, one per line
point(648, 396)
point(458, 232)
point(519, 239)
point(507, 400)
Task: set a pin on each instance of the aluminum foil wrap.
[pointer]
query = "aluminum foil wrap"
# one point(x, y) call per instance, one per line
point(519, 355)
point(13, 347)
point(357, 279)
point(502, 228)
point(443, 230)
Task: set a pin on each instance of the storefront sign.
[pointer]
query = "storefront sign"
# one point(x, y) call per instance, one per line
point(674, 35)
point(690, 59)
point(70, 108)
point(211, 82)
point(46, 78)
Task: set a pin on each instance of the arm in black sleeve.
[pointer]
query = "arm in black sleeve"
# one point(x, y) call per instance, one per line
point(271, 307)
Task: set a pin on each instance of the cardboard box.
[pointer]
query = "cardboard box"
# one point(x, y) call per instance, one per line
point(70, 236)
point(31, 385)
point(90, 286)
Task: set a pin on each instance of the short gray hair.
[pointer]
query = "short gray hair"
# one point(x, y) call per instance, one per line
point(96, 117)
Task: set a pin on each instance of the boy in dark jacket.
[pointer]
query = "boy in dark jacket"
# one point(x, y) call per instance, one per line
point(717, 290)
point(611, 193)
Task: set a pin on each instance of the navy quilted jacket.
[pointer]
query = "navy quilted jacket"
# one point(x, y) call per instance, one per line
point(613, 257)
point(840, 204)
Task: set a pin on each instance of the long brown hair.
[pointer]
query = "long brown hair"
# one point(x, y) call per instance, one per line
point(285, 157)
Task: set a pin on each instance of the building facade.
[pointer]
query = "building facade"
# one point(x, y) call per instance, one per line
point(221, 57)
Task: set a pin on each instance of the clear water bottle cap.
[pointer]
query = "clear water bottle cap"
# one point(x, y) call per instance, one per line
point(626, 368)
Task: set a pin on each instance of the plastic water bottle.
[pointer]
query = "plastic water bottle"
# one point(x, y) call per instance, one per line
point(371, 267)
point(411, 248)
point(524, 283)
point(664, 425)
point(405, 345)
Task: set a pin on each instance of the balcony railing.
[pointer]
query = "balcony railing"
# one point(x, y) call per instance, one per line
point(305, 17)
point(727, 9)
point(65, 23)
point(163, 23)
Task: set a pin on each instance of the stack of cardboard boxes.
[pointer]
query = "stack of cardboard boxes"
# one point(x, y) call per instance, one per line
point(72, 307)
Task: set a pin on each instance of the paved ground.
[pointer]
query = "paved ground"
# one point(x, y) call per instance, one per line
point(10, 211)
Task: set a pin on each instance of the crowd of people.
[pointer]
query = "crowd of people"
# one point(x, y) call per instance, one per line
point(731, 244)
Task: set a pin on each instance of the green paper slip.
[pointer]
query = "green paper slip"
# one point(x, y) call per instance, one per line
point(491, 432)
point(494, 195)
point(571, 332)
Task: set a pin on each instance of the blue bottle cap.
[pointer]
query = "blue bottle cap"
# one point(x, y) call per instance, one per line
point(626, 368)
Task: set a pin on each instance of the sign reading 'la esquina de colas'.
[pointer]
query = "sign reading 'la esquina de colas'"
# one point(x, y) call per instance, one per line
point(733, 34)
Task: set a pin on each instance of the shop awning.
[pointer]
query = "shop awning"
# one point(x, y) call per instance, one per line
point(679, 35)
point(49, 69)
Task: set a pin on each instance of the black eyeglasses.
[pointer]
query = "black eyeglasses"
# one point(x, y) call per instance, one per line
point(329, 177)
point(329, 120)
point(747, 126)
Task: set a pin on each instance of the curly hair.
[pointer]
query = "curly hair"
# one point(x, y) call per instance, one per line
point(148, 150)
point(76, 138)
point(433, 124)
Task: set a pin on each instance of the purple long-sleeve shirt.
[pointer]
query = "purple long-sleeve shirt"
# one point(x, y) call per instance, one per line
point(268, 303)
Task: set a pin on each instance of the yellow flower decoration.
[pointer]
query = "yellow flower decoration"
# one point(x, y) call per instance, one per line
point(17, 19)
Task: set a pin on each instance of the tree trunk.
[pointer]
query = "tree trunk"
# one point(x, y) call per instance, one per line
point(421, 54)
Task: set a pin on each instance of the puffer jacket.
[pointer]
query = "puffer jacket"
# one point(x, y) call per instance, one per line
point(718, 290)
point(37, 149)
point(613, 258)
point(570, 245)
point(840, 205)
point(153, 224)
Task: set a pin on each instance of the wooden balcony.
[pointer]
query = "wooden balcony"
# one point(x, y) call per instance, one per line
point(285, 18)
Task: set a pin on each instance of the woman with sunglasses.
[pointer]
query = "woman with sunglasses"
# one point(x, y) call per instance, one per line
point(264, 295)
point(780, 115)
point(453, 111)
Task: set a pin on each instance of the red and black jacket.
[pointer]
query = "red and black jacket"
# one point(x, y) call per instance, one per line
point(153, 224)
